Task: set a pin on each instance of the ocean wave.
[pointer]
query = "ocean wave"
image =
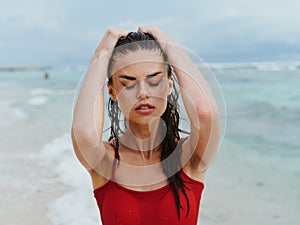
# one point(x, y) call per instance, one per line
point(54, 91)
point(38, 100)
point(41, 91)
point(257, 66)
point(59, 157)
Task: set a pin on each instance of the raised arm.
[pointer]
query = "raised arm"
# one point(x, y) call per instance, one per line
point(199, 102)
point(88, 112)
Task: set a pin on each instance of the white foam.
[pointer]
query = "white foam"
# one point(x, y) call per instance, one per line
point(46, 91)
point(277, 66)
point(38, 100)
point(260, 66)
point(41, 91)
point(77, 206)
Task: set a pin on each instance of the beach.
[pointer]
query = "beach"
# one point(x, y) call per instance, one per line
point(253, 180)
point(27, 186)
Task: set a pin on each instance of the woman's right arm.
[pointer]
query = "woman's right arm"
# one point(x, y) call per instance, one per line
point(88, 112)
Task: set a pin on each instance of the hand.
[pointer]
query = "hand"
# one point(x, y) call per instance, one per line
point(155, 32)
point(173, 51)
point(164, 40)
point(108, 42)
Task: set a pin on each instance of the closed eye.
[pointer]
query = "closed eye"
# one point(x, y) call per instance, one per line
point(154, 81)
point(129, 85)
point(154, 84)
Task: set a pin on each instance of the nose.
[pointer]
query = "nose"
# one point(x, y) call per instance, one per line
point(142, 91)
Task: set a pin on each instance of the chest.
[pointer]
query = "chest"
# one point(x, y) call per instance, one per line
point(122, 206)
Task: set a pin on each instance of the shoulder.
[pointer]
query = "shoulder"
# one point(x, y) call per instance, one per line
point(101, 174)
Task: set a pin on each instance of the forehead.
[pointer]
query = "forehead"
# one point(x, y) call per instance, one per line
point(138, 61)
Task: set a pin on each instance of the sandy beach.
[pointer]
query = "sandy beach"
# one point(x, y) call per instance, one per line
point(26, 185)
point(41, 181)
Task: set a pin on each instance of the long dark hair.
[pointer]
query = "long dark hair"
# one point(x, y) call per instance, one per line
point(138, 41)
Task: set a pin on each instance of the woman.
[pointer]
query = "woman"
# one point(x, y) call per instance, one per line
point(145, 173)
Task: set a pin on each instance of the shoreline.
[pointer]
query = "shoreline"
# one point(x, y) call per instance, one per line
point(27, 186)
point(24, 68)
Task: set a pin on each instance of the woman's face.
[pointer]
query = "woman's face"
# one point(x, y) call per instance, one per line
point(141, 85)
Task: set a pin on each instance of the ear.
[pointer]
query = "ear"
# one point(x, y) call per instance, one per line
point(171, 82)
point(111, 92)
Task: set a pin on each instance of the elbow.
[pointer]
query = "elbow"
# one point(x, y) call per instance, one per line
point(208, 117)
point(204, 114)
point(207, 113)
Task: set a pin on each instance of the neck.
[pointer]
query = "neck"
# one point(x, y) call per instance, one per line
point(144, 138)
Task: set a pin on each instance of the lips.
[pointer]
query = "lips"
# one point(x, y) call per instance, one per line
point(144, 109)
point(144, 106)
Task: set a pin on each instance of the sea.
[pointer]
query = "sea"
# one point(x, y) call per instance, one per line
point(254, 179)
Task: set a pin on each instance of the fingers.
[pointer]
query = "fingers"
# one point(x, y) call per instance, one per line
point(108, 42)
point(156, 33)
point(149, 29)
point(116, 33)
point(166, 43)
point(111, 37)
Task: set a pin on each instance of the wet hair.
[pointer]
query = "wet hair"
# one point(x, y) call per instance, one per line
point(171, 144)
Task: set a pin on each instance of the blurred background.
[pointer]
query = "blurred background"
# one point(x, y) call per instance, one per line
point(54, 33)
point(252, 49)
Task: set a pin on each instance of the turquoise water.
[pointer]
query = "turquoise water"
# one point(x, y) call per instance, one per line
point(265, 105)
point(255, 177)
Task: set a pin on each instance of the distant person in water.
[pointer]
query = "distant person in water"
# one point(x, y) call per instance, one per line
point(46, 75)
point(145, 173)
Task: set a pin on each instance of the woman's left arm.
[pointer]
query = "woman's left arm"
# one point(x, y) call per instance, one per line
point(202, 145)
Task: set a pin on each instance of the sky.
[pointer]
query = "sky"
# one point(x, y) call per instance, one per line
point(66, 32)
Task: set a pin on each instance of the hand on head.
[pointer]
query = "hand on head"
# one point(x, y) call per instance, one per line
point(108, 42)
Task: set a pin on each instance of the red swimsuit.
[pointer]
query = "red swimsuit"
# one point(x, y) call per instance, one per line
point(121, 206)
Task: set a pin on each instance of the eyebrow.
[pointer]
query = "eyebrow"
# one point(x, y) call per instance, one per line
point(133, 78)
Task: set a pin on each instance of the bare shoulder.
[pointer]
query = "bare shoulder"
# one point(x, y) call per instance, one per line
point(101, 174)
